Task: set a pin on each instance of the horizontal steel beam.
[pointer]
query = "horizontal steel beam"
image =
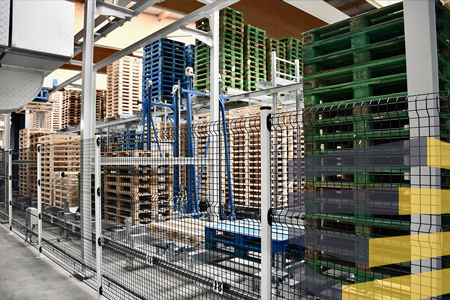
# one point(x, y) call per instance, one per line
point(154, 161)
point(281, 89)
point(200, 13)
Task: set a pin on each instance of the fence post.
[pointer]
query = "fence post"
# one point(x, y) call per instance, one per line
point(98, 216)
point(266, 205)
point(39, 199)
point(10, 188)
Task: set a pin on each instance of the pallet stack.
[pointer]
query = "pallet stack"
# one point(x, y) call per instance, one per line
point(140, 192)
point(124, 87)
point(254, 57)
point(100, 105)
point(293, 52)
point(28, 140)
point(60, 153)
point(189, 56)
point(231, 56)
point(164, 67)
point(245, 155)
point(289, 49)
point(52, 118)
point(347, 65)
point(129, 140)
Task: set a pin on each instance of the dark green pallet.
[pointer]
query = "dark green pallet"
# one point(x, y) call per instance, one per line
point(359, 226)
point(356, 24)
point(361, 274)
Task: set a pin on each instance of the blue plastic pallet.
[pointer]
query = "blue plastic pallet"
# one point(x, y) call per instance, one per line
point(165, 41)
point(246, 236)
point(163, 54)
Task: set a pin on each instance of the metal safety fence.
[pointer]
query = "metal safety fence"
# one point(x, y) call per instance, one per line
point(333, 202)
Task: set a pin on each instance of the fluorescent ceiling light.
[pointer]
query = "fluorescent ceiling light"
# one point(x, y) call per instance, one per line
point(319, 9)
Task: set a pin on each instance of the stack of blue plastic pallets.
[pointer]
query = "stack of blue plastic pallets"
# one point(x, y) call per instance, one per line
point(129, 140)
point(189, 55)
point(164, 66)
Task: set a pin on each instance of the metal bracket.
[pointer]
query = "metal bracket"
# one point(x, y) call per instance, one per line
point(99, 192)
point(40, 216)
point(98, 141)
point(39, 148)
point(39, 182)
point(269, 216)
point(100, 241)
point(40, 249)
point(109, 9)
point(269, 122)
point(205, 37)
point(218, 287)
point(10, 202)
point(100, 290)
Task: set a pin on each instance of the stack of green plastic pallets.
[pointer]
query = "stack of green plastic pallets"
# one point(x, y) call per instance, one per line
point(289, 49)
point(293, 52)
point(280, 48)
point(254, 57)
point(350, 69)
point(231, 56)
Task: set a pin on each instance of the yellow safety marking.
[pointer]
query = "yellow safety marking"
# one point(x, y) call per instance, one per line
point(417, 201)
point(398, 249)
point(408, 287)
point(438, 153)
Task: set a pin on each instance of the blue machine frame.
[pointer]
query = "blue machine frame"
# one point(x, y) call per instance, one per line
point(192, 205)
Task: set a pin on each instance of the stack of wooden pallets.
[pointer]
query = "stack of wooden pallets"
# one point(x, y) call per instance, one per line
point(124, 86)
point(100, 105)
point(60, 153)
point(28, 140)
point(137, 191)
point(244, 137)
point(52, 118)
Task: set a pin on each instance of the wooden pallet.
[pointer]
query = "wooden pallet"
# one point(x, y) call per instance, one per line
point(138, 191)
point(185, 230)
point(124, 87)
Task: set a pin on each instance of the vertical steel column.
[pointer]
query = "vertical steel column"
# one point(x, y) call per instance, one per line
point(275, 132)
point(7, 145)
point(39, 198)
point(98, 216)
point(10, 188)
point(266, 205)
point(87, 129)
point(214, 191)
point(422, 78)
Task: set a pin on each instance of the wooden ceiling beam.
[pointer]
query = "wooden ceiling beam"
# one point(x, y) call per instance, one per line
point(279, 19)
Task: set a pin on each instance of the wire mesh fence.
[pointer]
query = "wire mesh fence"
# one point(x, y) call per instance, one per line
point(358, 197)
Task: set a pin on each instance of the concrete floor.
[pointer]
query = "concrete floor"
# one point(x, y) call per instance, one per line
point(23, 276)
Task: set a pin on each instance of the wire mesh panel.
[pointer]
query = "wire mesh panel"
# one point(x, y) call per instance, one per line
point(3, 191)
point(24, 205)
point(67, 195)
point(366, 223)
point(178, 224)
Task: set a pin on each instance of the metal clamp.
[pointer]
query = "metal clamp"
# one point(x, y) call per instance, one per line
point(100, 241)
point(40, 216)
point(99, 192)
point(269, 216)
point(269, 122)
point(39, 182)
